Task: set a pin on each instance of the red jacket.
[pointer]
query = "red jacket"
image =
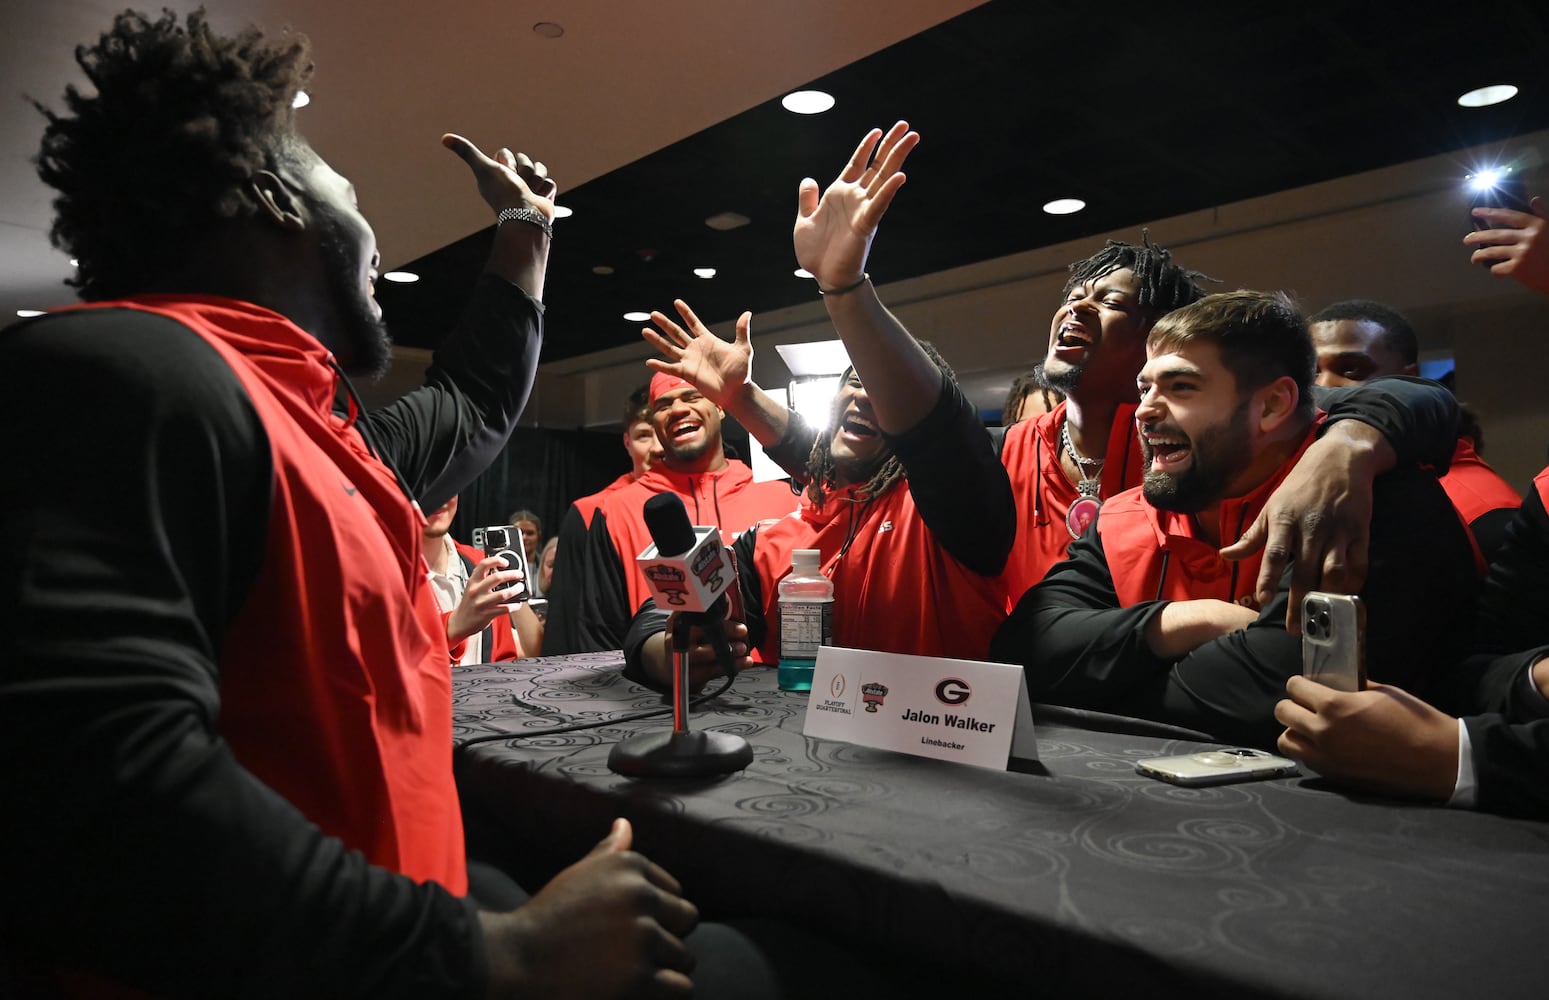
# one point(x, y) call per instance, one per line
point(1044, 493)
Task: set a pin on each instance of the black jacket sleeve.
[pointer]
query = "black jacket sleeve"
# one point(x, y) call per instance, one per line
point(791, 452)
point(442, 435)
point(587, 608)
point(1081, 649)
point(1507, 718)
point(962, 490)
point(1417, 416)
point(135, 845)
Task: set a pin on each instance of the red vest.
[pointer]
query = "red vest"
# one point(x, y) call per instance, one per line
point(1031, 455)
point(1474, 488)
point(335, 687)
point(895, 589)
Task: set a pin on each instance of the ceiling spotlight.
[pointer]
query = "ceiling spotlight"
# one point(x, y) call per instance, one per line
point(548, 29)
point(1064, 206)
point(1486, 96)
point(704, 272)
point(402, 277)
point(637, 316)
point(301, 100)
point(75, 262)
point(727, 221)
point(602, 269)
point(807, 102)
point(563, 211)
point(802, 272)
point(29, 313)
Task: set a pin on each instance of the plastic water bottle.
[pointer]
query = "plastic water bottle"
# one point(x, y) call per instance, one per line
point(806, 619)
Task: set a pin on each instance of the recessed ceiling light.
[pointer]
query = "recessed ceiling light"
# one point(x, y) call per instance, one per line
point(1486, 96)
point(563, 211)
point(602, 269)
point(548, 29)
point(637, 316)
point(29, 313)
point(705, 272)
point(802, 272)
point(726, 221)
point(75, 262)
point(301, 100)
point(1064, 206)
point(402, 277)
point(807, 102)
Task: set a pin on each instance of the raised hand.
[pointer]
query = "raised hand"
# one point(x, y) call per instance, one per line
point(1518, 246)
point(717, 369)
point(610, 925)
point(833, 234)
point(508, 180)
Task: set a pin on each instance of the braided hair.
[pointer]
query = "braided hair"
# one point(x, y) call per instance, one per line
point(821, 468)
point(1164, 286)
point(181, 118)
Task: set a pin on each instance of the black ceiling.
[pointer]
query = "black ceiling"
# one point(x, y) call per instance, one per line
point(1144, 112)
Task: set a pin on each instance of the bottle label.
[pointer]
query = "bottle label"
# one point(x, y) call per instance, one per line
point(804, 627)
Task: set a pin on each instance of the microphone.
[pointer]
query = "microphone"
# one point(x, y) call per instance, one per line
point(689, 570)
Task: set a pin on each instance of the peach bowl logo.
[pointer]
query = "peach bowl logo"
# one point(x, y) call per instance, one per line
point(873, 695)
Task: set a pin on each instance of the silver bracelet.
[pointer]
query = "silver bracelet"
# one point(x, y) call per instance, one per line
point(528, 215)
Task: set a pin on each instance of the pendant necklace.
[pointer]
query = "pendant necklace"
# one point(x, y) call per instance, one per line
point(1083, 511)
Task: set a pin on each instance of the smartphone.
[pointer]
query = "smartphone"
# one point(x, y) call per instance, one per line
point(1508, 190)
point(505, 541)
point(1334, 640)
point(1217, 767)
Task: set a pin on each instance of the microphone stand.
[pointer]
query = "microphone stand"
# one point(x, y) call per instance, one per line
point(681, 753)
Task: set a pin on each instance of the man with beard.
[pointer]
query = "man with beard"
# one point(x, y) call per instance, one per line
point(597, 586)
point(1147, 619)
point(225, 707)
point(910, 555)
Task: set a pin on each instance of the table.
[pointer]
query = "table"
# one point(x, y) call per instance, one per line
point(1086, 879)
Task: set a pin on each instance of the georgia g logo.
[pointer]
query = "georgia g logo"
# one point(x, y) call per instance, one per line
point(953, 691)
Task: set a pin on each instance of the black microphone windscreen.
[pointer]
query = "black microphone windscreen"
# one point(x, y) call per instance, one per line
point(667, 521)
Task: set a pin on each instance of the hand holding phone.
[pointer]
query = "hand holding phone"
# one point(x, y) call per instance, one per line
point(1334, 640)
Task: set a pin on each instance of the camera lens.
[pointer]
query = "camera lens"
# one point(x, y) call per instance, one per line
point(1312, 625)
point(1323, 620)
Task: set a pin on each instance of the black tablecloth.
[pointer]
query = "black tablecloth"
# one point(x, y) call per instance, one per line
point(1082, 880)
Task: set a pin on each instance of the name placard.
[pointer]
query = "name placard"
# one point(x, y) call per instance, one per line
point(961, 710)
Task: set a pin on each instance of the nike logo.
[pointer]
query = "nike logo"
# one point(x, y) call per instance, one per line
point(349, 490)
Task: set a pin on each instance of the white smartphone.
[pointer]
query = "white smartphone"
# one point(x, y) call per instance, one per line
point(1217, 767)
point(1334, 640)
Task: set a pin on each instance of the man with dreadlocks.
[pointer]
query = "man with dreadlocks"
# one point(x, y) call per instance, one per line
point(225, 709)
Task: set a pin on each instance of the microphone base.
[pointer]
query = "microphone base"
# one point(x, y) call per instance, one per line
point(675, 754)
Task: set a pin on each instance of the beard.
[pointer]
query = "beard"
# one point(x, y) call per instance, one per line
point(362, 332)
point(1219, 453)
point(1063, 380)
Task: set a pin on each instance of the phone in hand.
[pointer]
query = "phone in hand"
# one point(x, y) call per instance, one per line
point(505, 541)
point(1502, 188)
point(1334, 640)
point(1217, 767)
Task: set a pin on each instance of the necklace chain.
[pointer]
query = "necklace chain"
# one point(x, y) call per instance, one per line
point(1090, 468)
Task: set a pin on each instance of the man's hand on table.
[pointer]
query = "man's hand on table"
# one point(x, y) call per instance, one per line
point(612, 924)
point(1382, 739)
